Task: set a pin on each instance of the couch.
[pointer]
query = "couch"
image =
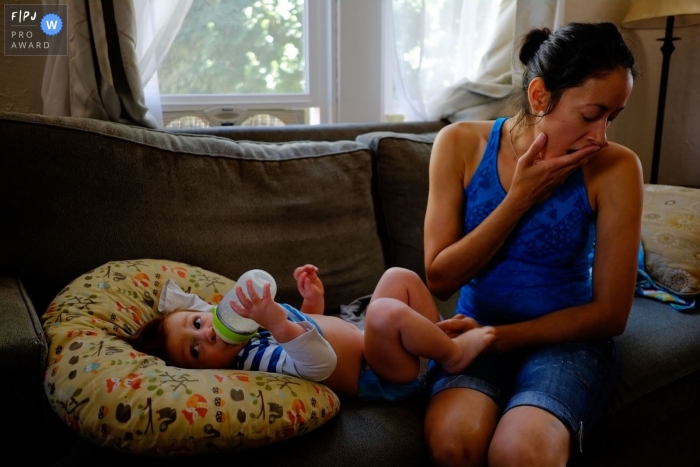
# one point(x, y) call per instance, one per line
point(76, 193)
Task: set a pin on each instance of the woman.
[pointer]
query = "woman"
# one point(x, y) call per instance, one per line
point(513, 210)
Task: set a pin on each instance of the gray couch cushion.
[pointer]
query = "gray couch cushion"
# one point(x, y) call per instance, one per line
point(656, 397)
point(402, 161)
point(75, 193)
point(659, 346)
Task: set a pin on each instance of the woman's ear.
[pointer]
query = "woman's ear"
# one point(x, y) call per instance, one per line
point(538, 96)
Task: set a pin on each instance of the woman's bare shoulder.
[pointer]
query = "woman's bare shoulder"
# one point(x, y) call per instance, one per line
point(613, 173)
point(613, 159)
point(465, 132)
point(462, 141)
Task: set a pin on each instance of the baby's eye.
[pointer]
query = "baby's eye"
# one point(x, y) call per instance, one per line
point(194, 351)
point(197, 323)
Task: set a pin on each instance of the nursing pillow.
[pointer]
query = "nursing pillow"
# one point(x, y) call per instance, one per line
point(129, 401)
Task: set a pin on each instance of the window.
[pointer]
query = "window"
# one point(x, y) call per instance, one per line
point(340, 49)
point(242, 58)
point(323, 61)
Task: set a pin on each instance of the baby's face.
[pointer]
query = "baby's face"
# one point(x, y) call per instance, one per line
point(192, 342)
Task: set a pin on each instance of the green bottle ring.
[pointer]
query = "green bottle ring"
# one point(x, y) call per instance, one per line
point(227, 333)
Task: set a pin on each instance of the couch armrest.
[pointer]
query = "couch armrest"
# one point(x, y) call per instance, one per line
point(22, 341)
point(23, 353)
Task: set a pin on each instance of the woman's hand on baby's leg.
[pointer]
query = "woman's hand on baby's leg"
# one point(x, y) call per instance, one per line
point(469, 344)
point(458, 324)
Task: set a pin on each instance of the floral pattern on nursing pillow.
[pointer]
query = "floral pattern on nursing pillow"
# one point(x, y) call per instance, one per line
point(129, 401)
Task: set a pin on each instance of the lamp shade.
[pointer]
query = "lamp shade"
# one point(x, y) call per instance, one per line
point(652, 14)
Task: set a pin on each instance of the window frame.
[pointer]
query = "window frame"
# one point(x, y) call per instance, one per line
point(318, 50)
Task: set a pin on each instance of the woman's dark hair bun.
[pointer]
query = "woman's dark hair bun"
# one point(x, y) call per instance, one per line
point(568, 57)
point(532, 42)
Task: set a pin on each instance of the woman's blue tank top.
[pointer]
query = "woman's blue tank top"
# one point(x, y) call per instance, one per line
point(543, 265)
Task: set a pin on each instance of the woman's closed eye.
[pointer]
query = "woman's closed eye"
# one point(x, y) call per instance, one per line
point(596, 117)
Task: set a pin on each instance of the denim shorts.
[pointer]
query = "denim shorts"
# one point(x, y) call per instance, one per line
point(572, 381)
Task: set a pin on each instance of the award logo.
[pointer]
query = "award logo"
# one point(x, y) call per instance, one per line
point(33, 30)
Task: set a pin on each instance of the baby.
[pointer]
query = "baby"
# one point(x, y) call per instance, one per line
point(387, 361)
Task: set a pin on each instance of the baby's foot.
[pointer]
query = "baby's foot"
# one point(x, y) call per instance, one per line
point(469, 345)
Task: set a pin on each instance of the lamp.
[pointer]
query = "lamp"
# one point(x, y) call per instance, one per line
point(656, 14)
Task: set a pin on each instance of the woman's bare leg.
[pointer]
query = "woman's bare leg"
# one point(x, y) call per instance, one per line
point(459, 424)
point(530, 436)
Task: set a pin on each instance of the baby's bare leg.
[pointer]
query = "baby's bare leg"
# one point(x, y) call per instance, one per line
point(396, 335)
point(406, 286)
point(471, 344)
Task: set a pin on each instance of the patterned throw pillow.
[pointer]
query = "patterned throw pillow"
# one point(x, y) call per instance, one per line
point(129, 401)
point(671, 237)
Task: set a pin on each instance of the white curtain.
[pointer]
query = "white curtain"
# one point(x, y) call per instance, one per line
point(98, 78)
point(114, 49)
point(454, 59)
point(157, 24)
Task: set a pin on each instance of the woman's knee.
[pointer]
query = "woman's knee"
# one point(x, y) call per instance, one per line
point(459, 424)
point(514, 451)
point(456, 446)
point(527, 437)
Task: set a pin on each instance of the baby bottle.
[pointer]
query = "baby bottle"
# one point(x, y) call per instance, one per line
point(229, 325)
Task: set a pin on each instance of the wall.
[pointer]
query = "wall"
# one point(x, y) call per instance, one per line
point(20, 77)
point(680, 146)
point(359, 83)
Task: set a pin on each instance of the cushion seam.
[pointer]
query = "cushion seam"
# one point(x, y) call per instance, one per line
point(389, 230)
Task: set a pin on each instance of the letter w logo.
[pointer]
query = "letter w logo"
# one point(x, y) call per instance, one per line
point(51, 24)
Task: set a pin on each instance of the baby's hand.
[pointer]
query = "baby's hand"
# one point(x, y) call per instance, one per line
point(309, 285)
point(263, 310)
